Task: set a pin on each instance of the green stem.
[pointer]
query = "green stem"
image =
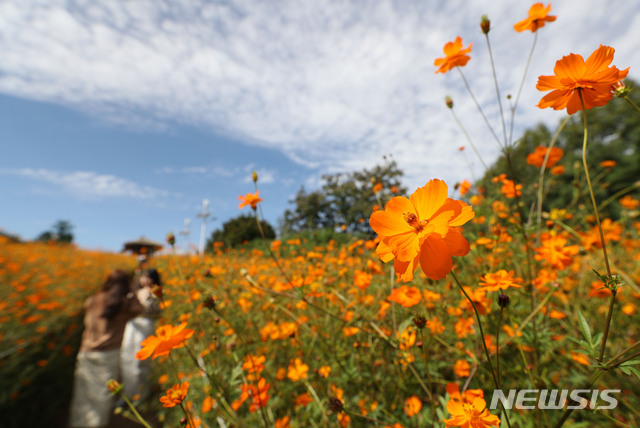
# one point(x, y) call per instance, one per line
point(186, 413)
point(524, 75)
point(621, 353)
point(495, 81)
point(426, 365)
point(466, 84)
point(631, 103)
point(498, 345)
point(618, 194)
point(595, 211)
point(484, 344)
point(466, 134)
point(135, 412)
point(541, 178)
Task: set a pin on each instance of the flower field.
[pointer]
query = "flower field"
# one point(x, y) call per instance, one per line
point(320, 335)
point(495, 303)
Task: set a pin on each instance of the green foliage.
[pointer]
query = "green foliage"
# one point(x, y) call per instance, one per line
point(613, 134)
point(239, 230)
point(60, 232)
point(345, 199)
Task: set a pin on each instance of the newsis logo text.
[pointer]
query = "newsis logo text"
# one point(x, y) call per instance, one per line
point(555, 399)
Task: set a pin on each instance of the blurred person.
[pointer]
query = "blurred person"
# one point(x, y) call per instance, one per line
point(136, 374)
point(106, 315)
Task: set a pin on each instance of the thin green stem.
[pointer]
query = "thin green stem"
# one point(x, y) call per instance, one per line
point(484, 344)
point(135, 412)
point(541, 177)
point(186, 413)
point(595, 211)
point(524, 75)
point(466, 134)
point(466, 84)
point(495, 81)
point(498, 346)
point(631, 103)
point(621, 353)
point(426, 365)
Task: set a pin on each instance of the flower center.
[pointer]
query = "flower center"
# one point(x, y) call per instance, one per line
point(412, 220)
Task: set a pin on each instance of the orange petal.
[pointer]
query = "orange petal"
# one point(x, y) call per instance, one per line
point(391, 221)
point(435, 258)
point(428, 199)
point(458, 245)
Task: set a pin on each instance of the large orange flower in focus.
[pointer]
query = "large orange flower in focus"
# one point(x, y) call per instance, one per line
point(538, 16)
point(167, 338)
point(424, 229)
point(573, 75)
point(455, 56)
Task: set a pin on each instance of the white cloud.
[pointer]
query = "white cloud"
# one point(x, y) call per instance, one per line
point(331, 84)
point(88, 184)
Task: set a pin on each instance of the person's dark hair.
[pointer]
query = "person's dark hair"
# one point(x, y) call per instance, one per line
point(153, 275)
point(117, 286)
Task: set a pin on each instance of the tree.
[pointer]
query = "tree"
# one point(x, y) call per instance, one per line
point(239, 230)
point(60, 232)
point(613, 134)
point(345, 199)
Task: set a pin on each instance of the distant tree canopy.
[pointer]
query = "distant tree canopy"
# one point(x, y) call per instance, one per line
point(59, 232)
point(238, 230)
point(613, 134)
point(345, 199)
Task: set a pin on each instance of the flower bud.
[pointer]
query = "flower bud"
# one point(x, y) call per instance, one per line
point(448, 101)
point(335, 405)
point(485, 24)
point(171, 239)
point(419, 321)
point(620, 89)
point(503, 300)
point(114, 386)
point(254, 176)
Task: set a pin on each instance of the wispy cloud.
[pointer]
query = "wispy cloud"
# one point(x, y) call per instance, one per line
point(331, 84)
point(88, 184)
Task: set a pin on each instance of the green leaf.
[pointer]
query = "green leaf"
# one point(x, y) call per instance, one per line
point(630, 363)
point(584, 327)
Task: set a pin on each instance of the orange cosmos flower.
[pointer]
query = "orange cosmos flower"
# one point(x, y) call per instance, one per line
point(167, 338)
point(538, 16)
point(573, 75)
point(629, 202)
point(412, 406)
point(474, 414)
point(424, 229)
point(455, 56)
point(555, 251)
point(250, 199)
point(608, 163)
point(465, 186)
point(462, 368)
point(500, 280)
point(297, 370)
point(405, 296)
point(175, 395)
point(537, 158)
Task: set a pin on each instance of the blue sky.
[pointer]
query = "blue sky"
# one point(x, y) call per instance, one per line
point(122, 116)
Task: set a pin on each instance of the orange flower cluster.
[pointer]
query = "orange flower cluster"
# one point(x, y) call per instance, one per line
point(422, 229)
point(167, 338)
point(577, 81)
point(258, 394)
point(537, 158)
point(555, 251)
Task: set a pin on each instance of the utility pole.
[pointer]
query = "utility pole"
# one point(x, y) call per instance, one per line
point(204, 215)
